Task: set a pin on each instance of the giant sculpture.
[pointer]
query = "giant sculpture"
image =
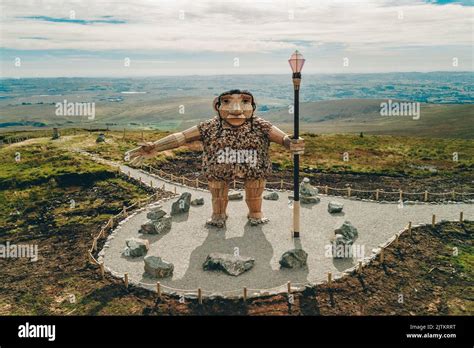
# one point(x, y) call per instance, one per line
point(235, 146)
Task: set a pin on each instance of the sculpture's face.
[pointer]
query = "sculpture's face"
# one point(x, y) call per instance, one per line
point(235, 109)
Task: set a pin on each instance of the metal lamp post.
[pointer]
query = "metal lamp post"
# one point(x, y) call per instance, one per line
point(296, 63)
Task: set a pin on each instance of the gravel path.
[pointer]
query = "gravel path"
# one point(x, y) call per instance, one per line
point(190, 241)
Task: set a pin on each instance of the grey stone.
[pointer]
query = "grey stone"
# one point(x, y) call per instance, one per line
point(306, 189)
point(231, 264)
point(163, 225)
point(155, 214)
point(294, 258)
point(343, 240)
point(309, 200)
point(182, 204)
point(148, 228)
point(341, 247)
point(135, 247)
point(157, 268)
point(273, 196)
point(100, 138)
point(197, 201)
point(160, 226)
point(348, 231)
point(235, 195)
point(335, 207)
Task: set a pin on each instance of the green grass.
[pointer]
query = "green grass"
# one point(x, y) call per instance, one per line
point(370, 154)
point(376, 154)
point(47, 173)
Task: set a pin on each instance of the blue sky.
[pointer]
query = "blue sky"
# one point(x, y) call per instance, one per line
point(185, 37)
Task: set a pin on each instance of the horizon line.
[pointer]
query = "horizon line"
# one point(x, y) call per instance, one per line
point(249, 74)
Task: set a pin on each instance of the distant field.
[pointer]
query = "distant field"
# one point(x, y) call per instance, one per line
point(355, 116)
point(335, 116)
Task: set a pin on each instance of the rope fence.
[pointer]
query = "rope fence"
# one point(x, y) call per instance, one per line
point(377, 194)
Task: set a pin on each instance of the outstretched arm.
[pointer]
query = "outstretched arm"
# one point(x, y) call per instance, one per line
point(296, 146)
point(172, 141)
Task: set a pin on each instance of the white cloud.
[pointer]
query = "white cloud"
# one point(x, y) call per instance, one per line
point(234, 26)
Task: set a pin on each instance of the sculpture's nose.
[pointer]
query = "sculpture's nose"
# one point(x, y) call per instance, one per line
point(236, 109)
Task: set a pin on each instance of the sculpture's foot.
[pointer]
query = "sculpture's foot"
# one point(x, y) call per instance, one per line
point(216, 222)
point(257, 221)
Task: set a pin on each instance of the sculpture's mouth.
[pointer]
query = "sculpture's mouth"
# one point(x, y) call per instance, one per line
point(237, 117)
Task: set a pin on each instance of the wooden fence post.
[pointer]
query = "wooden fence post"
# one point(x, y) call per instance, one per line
point(348, 192)
point(125, 279)
point(329, 278)
point(461, 216)
point(124, 210)
point(326, 189)
point(433, 220)
point(381, 256)
point(426, 196)
point(102, 270)
point(151, 183)
point(245, 294)
point(158, 289)
point(360, 267)
point(199, 296)
point(234, 184)
point(289, 287)
point(281, 184)
point(183, 179)
point(409, 227)
point(453, 194)
point(401, 195)
point(197, 182)
point(377, 194)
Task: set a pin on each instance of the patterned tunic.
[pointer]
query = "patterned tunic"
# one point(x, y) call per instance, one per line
point(235, 152)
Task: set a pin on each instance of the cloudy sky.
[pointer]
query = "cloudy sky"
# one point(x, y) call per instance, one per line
point(161, 37)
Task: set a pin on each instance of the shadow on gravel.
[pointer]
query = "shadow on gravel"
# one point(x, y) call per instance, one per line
point(252, 244)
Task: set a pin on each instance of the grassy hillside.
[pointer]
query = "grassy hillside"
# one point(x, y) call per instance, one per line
point(62, 282)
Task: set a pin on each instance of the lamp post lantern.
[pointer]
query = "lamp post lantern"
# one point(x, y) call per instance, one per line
point(296, 63)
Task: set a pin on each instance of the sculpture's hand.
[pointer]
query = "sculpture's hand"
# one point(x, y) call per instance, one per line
point(138, 155)
point(297, 146)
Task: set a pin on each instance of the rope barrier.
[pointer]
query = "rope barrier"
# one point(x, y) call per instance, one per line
point(325, 188)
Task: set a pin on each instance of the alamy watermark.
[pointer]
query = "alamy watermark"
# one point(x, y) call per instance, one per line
point(14, 251)
point(229, 155)
point(395, 108)
point(37, 331)
point(75, 109)
point(344, 251)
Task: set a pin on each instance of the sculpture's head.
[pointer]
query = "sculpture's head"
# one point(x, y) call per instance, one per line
point(235, 106)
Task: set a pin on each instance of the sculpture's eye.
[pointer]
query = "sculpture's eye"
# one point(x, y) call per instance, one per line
point(246, 101)
point(226, 101)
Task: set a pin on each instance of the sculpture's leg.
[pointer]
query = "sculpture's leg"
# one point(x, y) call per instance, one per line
point(220, 192)
point(253, 197)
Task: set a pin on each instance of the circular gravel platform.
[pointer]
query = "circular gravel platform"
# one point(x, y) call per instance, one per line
point(190, 241)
